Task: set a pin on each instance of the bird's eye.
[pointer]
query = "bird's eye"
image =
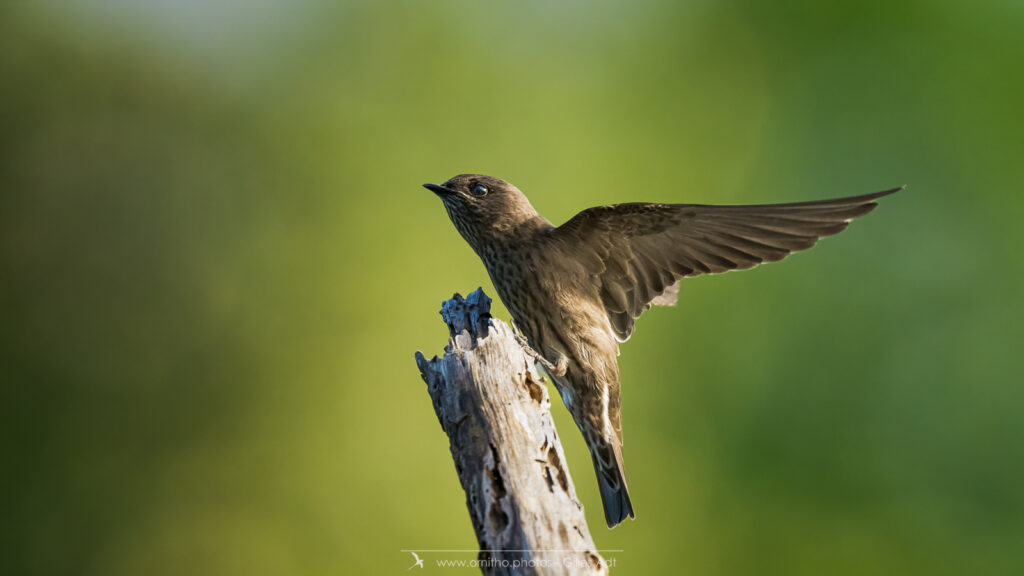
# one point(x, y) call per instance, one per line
point(479, 190)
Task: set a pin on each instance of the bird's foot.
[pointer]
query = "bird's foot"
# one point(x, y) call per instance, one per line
point(554, 370)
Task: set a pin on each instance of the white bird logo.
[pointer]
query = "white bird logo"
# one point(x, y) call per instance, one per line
point(419, 561)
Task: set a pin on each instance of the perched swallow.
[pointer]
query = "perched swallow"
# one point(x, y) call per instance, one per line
point(575, 290)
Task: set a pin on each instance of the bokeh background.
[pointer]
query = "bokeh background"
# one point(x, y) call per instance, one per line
point(217, 262)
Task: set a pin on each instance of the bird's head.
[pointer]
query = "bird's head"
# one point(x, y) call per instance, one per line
point(483, 208)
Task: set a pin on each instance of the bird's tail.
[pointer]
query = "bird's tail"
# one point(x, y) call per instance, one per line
point(614, 493)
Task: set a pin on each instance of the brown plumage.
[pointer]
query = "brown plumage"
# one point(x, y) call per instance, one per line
point(575, 290)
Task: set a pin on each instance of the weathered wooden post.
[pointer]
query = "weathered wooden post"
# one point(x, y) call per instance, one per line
point(496, 412)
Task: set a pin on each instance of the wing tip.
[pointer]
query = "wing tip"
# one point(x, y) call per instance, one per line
point(868, 198)
point(869, 203)
point(884, 193)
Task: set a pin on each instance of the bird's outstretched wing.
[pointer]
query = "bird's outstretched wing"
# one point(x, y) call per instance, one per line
point(637, 252)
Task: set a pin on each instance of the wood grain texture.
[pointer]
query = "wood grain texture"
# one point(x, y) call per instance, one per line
point(496, 411)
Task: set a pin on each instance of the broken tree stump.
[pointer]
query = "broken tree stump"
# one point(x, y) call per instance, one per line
point(496, 411)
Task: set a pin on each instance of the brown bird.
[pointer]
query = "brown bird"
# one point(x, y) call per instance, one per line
point(575, 290)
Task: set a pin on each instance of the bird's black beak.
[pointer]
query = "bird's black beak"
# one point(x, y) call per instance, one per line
point(439, 190)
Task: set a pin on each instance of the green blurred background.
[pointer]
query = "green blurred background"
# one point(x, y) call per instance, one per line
point(217, 262)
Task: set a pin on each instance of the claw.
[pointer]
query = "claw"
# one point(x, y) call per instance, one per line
point(551, 368)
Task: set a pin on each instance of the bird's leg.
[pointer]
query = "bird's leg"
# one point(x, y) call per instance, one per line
point(562, 366)
point(554, 370)
point(533, 353)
